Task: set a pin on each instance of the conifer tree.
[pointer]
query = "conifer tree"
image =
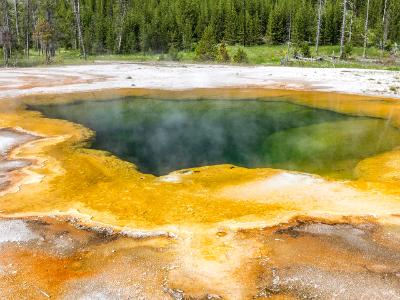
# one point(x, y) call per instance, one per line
point(187, 36)
point(223, 55)
point(278, 23)
point(253, 30)
point(231, 26)
point(127, 26)
point(207, 47)
point(240, 56)
point(303, 22)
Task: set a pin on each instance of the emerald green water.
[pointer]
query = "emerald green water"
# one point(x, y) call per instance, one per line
point(161, 136)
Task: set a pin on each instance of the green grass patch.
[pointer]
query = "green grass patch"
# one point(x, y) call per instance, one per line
point(269, 55)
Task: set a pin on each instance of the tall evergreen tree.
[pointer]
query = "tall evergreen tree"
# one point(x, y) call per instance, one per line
point(303, 22)
point(126, 26)
point(231, 25)
point(278, 23)
point(207, 47)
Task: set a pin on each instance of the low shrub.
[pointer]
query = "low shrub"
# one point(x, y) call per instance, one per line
point(223, 55)
point(240, 56)
point(348, 50)
point(173, 53)
point(305, 50)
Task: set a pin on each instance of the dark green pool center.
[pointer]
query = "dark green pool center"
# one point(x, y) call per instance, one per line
point(161, 136)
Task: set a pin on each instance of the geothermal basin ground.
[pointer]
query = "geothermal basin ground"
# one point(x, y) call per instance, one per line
point(113, 187)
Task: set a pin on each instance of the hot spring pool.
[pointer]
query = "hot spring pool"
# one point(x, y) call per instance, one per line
point(161, 136)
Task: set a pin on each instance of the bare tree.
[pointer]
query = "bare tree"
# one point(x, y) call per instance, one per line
point(35, 20)
point(351, 22)
point(5, 33)
point(320, 8)
point(343, 31)
point(16, 20)
point(28, 26)
point(50, 20)
point(366, 30)
point(77, 13)
point(244, 22)
point(289, 42)
point(385, 22)
point(123, 5)
point(44, 34)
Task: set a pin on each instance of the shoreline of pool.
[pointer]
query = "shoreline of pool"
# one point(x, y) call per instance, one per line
point(16, 82)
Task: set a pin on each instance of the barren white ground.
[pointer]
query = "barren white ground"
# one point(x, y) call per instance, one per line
point(63, 79)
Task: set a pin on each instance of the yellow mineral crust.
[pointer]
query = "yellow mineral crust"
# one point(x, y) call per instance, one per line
point(114, 192)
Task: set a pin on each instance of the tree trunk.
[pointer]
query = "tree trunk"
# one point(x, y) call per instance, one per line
point(385, 22)
point(289, 38)
point(6, 17)
point(318, 26)
point(16, 20)
point(6, 32)
point(48, 54)
point(244, 23)
point(76, 7)
point(121, 29)
point(76, 37)
point(366, 30)
point(50, 44)
point(342, 37)
point(28, 26)
point(351, 28)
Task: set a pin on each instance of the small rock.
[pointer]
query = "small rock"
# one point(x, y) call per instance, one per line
point(213, 297)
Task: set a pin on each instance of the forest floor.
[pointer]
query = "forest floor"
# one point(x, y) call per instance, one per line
point(178, 76)
point(268, 55)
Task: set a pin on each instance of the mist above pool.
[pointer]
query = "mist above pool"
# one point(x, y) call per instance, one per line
point(160, 136)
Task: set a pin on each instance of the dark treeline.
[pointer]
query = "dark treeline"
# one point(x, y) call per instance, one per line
point(127, 26)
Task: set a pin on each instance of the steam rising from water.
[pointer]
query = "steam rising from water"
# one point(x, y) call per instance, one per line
point(161, 136)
